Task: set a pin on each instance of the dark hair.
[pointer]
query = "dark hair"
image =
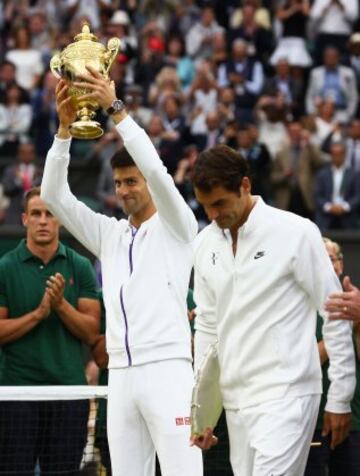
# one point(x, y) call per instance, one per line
point(122, 158)
point(33, 192)
point(220, 166)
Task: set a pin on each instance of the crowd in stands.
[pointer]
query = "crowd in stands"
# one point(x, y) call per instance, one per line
point(278, 80)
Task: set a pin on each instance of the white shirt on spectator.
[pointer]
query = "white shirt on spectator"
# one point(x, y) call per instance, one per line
point(28, 65)
point(330, 18)
point(14, 121)
point(89, 8)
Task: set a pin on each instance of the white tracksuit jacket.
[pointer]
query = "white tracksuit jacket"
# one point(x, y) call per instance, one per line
point(145, 274)
point(262, 307)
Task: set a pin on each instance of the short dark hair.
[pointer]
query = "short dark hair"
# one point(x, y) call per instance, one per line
point(33, 192)
point(220, 166)
point(122, 158)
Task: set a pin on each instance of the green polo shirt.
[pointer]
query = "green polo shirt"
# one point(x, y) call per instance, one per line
point(355, 404)
point(49, 354)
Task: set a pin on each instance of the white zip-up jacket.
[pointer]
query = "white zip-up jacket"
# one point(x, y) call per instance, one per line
point(146, 271)
point(261, 305)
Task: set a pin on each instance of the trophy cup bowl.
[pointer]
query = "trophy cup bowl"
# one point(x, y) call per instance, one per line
point(86, 50)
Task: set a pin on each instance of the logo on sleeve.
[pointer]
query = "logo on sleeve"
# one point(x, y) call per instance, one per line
point(259, 254)
point(214, 257)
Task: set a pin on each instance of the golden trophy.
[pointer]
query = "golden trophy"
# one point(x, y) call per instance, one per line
point(86, 50)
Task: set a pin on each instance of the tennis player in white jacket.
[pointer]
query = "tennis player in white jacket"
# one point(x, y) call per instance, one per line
point(260, 276)
point(146, 264)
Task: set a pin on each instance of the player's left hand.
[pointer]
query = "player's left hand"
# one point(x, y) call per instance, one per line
point(102, 90)
point(338, 425)
point(205, 441)
point(55, 287)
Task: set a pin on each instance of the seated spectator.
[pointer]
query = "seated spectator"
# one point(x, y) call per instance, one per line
point(202, 96)
point(260, 40)
point(289, 87)
point(76, 9)
point(18, 179)
point(353, 146)
point(174, 133)
point(220, 50)
point(177, 58)
point(332, 23)
point(323, 126)
point(336, 82)
point(182, 178)
point(258, 158)
point(337, 193)
point(45, 121)
point(293, 172)
point(354, 51)
point(4, 204)
point(293, 16)
point(167, 83)
point(8, 78)
point(28, 61)
point(15, 121)
point(199, 38)
point(105, 190)
point(134, 104)
point(226, 105)
point(262, 16)
point(213, 134)
point(41, 33)
point(246, 76)
point(271, 115)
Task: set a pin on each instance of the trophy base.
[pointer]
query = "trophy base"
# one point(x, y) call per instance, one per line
point(86, 129)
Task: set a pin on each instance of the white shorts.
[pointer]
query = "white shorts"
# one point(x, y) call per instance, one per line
point(273, 438)
point(148, 411)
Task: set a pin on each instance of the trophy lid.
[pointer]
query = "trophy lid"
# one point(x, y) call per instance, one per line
point(85, 34)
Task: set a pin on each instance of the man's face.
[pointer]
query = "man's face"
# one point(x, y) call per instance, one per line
point(228, 209)
point(26, 153)
point(338, 154)
point(131, 190)
point(42, 228)
point(336, 261)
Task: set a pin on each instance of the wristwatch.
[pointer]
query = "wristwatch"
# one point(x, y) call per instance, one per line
point(116, 106)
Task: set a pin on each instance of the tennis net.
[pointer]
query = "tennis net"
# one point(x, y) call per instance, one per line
point(55, 430)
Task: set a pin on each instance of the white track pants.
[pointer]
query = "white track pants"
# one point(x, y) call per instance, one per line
point(148, 410)
point(273, 438)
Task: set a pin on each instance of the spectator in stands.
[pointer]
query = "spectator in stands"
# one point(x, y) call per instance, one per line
point(41, 34)
point(332, 23)
point(18, 179)
point(44, 122)
point(294, 170)
point(260, 40)
point(323, 126)
point(271, 388)
point(337, 193)
point(183, 183)
point(167, 83)
point(226, 105)
point(48, 307)
point(353, 146)
point(4, 204)
point(8, 78)
point(91, 8)
point(157, 358)
point(27, 60)
point(15, 121)
point(354, 50)
point(271, 115)
point(262, 15)
point(258, 158)
point(291, 46)
point(246, 76)
point(177, 58)
point(199, 38)
point(220, 51)
point(284, 84)
point(105, 192)
point(133, 98)
point(343, 460)
point(333, 81)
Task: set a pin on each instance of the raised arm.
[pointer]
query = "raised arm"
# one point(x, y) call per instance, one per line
point(172, 208)
point(86, 225)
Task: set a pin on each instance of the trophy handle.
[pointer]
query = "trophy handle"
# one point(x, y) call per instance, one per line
point(55, 66)
point(113, 48)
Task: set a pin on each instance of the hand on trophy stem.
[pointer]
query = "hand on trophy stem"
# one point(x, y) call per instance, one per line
point(103, 90)
point(65, 110)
